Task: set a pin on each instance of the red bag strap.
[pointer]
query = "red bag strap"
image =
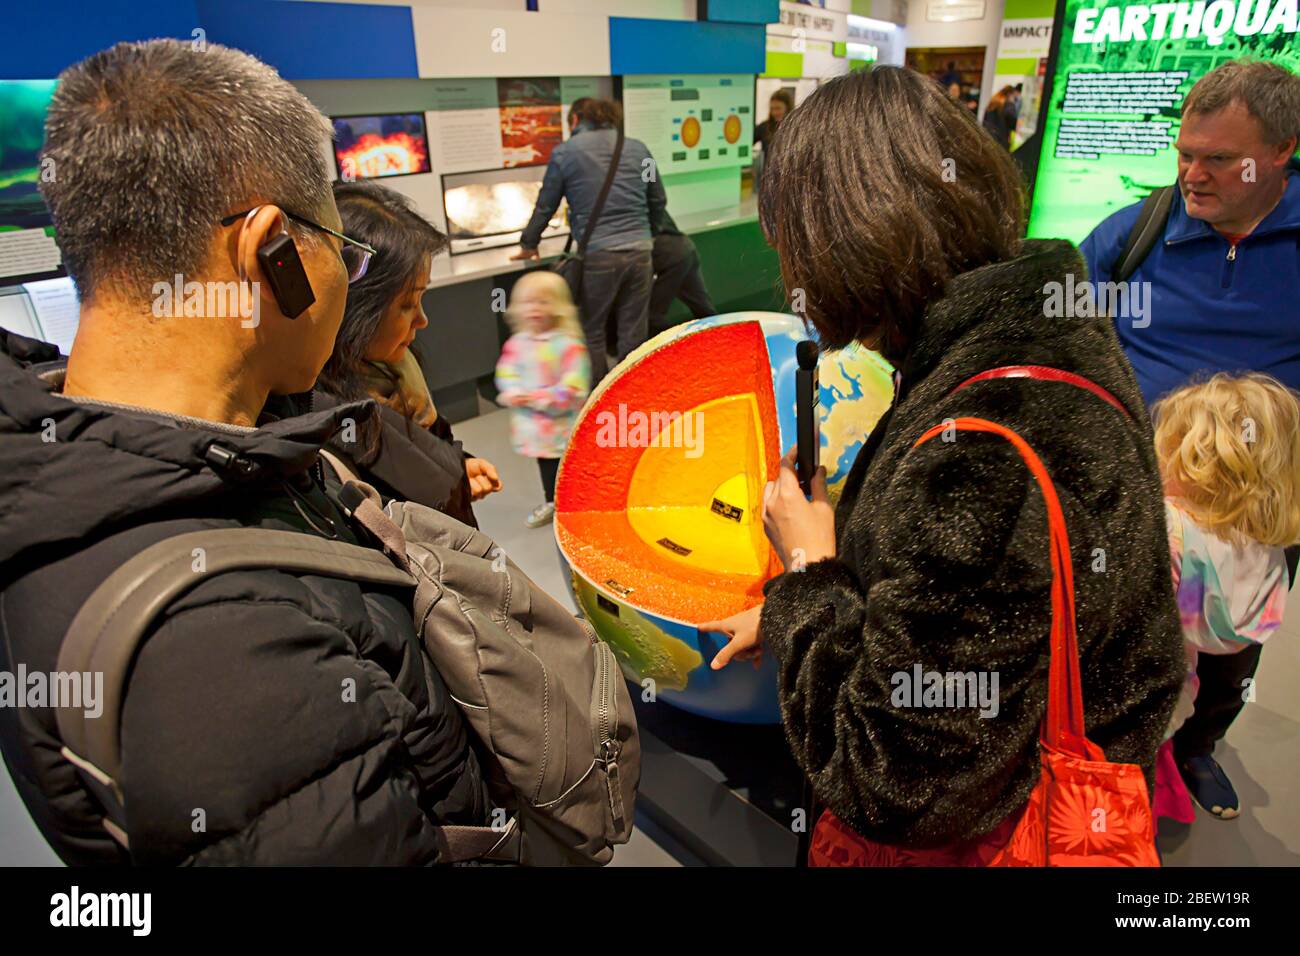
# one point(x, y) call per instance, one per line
point(1049, 374)
point(1063, 727)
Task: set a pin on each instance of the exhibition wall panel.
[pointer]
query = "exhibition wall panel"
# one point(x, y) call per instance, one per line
point(466, 42)
point(808, 41)
point(656, 9)
point(741, 11)
point(1022, 52)
point(32, 47)
point(463, 116)
point(672, 46)
point(348, 40)
point(373, 40)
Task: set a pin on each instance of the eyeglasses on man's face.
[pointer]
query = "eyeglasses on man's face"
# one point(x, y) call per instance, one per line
point(354, 253)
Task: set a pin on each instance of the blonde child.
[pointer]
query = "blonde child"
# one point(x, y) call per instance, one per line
point(543, 374)
point(1229, 451)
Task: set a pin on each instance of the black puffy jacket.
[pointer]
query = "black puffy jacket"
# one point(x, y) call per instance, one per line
point(235, 704)
point(943, 562)
point(424, 465)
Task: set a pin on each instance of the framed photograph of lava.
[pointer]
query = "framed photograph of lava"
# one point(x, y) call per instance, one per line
point(531, 119)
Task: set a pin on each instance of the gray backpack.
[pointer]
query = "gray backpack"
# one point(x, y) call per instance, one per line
point(544, 696)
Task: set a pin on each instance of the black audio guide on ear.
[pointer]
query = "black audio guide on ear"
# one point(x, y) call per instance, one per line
point(284, 272)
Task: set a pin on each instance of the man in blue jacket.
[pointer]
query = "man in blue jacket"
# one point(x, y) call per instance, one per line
point(618, 271)
point(1224, 283)
point(1225, 276)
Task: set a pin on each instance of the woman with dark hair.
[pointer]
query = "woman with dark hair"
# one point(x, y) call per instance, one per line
point(1000, 117)
point(901, 221)
point(779, 106)
point(407, 451)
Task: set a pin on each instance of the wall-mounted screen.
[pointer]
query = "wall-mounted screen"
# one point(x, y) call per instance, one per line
point(490, 208)
point(371, 147)
point(27, 247)
point(1121, 71)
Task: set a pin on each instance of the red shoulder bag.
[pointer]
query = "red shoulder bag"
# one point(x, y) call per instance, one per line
point(1084, 810)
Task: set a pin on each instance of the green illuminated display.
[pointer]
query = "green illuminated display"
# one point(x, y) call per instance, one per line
point(1122, 70)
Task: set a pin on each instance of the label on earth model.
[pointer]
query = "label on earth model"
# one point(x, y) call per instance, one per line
point(727, 511)
point(673, 546)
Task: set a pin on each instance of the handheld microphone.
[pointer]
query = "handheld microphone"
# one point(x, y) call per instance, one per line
point(807, 395)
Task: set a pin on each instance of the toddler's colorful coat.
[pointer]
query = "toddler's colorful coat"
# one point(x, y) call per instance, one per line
point(1230, 595)
point(554, 369)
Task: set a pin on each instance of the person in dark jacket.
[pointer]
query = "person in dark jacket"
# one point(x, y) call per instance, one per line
point(778, 108)
point(937, 556)
point(408, 450)
point(677, 274)
point(1000, 116)
point(270, 717)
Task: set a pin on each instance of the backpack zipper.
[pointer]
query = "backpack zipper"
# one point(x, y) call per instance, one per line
point(609, 748)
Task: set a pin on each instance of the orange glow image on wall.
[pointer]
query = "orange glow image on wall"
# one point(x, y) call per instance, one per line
point(690, 131)
point(370, 147)
point(731, 128)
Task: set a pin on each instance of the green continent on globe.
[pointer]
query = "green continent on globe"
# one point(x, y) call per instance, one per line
point(643, 649)
point(861, 388)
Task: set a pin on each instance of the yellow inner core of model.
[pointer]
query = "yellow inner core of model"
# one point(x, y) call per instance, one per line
point(696, 494)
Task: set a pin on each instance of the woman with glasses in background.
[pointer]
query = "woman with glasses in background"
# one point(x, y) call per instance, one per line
point(408, 450)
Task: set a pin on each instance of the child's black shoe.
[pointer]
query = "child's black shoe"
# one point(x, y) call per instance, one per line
point(1210, 786)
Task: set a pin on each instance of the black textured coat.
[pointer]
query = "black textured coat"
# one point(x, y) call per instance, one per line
point(410, 463)
point(235, 703)
point(943, 562)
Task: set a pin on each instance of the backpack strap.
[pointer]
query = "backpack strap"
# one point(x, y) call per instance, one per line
point(113, 622)
point(1150, 226)
point(364, 505)
point(1049, 374)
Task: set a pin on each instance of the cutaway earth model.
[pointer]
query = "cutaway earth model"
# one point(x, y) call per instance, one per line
point(659, 496)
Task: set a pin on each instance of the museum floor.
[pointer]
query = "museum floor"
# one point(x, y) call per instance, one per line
point(1261, 753)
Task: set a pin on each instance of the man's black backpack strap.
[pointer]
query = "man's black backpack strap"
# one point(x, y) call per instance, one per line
point(1148, 229)
point(108, 630)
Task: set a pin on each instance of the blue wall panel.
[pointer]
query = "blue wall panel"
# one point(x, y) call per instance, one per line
point(742, 11)
point(685, 46)
point(317, 41)
point(39, 39)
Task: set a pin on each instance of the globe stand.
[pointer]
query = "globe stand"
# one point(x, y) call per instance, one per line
point(727, 793)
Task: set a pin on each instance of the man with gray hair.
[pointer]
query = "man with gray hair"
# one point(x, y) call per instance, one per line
point(270, 717)
point(1224, 286)
point(1223, 272)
